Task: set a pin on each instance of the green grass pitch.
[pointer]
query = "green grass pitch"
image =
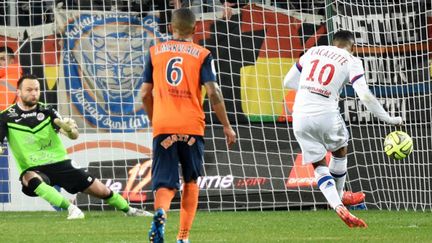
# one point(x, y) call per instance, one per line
point(267, 226)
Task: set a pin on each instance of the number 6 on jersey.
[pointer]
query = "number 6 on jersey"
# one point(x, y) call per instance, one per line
point(174, 72)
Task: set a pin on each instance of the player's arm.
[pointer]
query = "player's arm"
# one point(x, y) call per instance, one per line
point(147, 99)
point(147, 88)
point(214, 93)
point(292, 78)
point(66, 126)
point(368, 99)
point(217, 101)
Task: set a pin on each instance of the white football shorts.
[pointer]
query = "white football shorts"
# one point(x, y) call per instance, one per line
point(318, 134)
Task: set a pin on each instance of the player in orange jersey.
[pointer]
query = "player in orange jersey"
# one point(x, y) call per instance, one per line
point(10, 72)
point(174, 74)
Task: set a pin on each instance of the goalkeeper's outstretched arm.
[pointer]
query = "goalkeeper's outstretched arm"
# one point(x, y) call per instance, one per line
point(68, 127)
point(370, 101)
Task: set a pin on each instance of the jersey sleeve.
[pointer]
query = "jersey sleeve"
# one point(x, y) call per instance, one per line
point(292, 78)
point(356, 70)
point(372, 104)
point(53, 113)
point(299, 64)
point(148, 70)
point(208, 70)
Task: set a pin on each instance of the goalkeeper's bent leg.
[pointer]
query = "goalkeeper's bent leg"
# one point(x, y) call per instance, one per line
point(338, 169)
point(189, 204)
point(47, 192)
point(117, 201)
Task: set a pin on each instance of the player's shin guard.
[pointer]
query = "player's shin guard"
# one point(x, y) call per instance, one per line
point(327, 186)
point(189, 204)
point(47, 192)
point(338, 169)
point(118, 202)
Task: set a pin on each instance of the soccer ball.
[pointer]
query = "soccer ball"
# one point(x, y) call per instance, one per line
point(398, 145)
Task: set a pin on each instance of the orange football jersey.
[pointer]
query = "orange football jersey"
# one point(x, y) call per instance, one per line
point(178, 70)
point(8, 81)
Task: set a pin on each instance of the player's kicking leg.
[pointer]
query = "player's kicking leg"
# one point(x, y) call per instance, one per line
point(352, 198)
point(338, 169)
point(99, 190)
point(349, 219)
point(327, 185)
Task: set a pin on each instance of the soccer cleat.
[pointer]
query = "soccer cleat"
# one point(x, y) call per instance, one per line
point(138, 212)
point(349, 219)
point(157, 230)
point(352, 198)
point(183, 241)
point(75, 212)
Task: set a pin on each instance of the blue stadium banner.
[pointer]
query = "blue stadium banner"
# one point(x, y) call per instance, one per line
point(103, 62)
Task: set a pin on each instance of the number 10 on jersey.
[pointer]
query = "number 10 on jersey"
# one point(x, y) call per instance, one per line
point(312, 75)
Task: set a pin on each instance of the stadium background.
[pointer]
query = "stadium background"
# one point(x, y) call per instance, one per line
point(253, 50)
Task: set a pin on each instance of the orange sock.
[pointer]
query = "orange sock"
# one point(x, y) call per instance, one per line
point(163, 198)
point(189, 204)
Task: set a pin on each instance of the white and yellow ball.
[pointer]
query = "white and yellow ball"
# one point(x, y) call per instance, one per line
point(398, 145)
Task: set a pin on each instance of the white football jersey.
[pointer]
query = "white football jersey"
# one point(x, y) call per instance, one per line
point(324, 70)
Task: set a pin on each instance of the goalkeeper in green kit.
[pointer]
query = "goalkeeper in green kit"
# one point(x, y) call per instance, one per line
point(32, 131)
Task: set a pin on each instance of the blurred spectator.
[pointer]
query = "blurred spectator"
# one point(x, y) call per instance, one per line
point(304, 6)
point(10, 72)
point(86, 4)
point(162, 8)
point(229, 4)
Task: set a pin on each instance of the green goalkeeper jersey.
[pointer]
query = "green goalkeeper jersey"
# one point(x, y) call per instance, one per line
point(32, 136)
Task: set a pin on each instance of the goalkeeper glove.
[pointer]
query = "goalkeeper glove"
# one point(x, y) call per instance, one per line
point(66, 125)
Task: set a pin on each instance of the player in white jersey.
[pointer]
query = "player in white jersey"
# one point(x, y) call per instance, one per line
point(318, 77)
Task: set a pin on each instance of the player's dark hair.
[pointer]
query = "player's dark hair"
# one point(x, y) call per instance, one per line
point(343, 36)
point(183, 20)
point(24, 77)
point(7, 49)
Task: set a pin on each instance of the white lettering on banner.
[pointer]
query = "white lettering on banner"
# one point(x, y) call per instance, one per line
point(155, 25)
point(381, 29)
point(133, 122)
point(114, 124)
point(78, 93)
point(388, 70)
point(81, 25)
point(115, 187)
point(355, 111)
point(215, 181)
point(309, 180)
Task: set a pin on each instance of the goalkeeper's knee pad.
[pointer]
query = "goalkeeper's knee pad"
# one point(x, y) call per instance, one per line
point(34, 182)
